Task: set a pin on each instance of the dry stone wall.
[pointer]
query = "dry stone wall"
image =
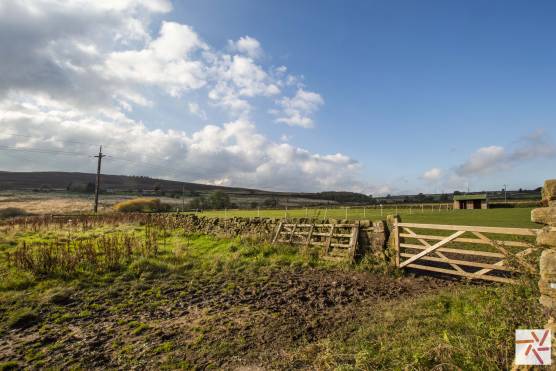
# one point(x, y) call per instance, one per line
point(546, 238)
point(372, 238)
point(261, 229)
point(372, 234)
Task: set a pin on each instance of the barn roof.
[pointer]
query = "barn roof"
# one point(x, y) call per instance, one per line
point(481, 196)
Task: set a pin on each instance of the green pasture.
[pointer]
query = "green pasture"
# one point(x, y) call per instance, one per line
point(511, 217)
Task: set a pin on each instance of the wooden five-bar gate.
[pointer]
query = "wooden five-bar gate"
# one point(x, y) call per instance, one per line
point(487, 253)
point(338, 241)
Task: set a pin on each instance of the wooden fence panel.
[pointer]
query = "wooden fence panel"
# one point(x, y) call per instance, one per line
point(468, 251)
point(338, 241)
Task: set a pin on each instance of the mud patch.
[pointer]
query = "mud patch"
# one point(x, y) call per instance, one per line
point(250, 319)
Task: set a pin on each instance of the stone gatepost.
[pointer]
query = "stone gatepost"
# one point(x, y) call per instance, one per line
point(546, 238)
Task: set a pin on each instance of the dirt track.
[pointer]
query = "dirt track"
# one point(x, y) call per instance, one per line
point(225, 321)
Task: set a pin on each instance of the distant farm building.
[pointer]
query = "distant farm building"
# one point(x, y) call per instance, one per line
point(479, 201)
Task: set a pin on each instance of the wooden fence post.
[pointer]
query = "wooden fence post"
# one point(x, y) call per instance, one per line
point(397, 241)
point(394, 239)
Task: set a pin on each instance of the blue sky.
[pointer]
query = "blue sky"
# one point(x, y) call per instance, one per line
point(409, 96)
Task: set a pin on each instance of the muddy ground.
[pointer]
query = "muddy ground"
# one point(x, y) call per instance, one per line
point(227, 320)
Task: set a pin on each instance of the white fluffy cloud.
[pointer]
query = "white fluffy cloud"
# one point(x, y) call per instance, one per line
point(234, 153)
point(195, 109)
point(51, 47)
point(494, 158)
point(73, 70)
point(297, 111)
point(238, 78)
point(489, 160)
point(432, 175)
point(96, 53)
point(248, 46)
point(164, 62)
point(483, 160)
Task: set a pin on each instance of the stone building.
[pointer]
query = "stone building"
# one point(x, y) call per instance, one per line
point(478, 201)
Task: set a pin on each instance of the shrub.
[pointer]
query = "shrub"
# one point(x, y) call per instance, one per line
point(219, 200)
point(12, 212)
point(143, 205)
point(108, 252)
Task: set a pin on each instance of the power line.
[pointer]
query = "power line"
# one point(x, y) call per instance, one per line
point(43, 150)
point(68, 153)
point(40, 150)
point(58, 140)
point(143, 163)
point(18, 157)
point(83, 154)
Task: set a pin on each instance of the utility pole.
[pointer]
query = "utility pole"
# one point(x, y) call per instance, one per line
point(97, 185)
point(183, 198)
point(505, 194)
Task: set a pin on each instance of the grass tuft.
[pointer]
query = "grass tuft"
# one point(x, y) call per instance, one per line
point(23, 318)
point(148, 265)
point(59, 296)
point(471, 327)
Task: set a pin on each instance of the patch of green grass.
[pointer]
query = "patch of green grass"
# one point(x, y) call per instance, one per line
point(138, 328)
point(164, 347)
point(22, 318)
point(510, 217)
point(17, 281)
point(470, 328)
point(176, 365)
point(148, 265)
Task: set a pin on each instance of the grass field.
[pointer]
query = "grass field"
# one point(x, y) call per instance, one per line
point(512, 217)
point(133, 296)
point(66, 203)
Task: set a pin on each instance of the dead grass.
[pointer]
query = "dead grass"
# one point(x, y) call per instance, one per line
point(64, 203)
point(51, 206)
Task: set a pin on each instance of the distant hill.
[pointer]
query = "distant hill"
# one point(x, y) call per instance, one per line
point(121, 184)
point(244, 197)
point(110, 183)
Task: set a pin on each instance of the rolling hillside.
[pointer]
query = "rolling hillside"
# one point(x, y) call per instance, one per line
point(132, 185)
